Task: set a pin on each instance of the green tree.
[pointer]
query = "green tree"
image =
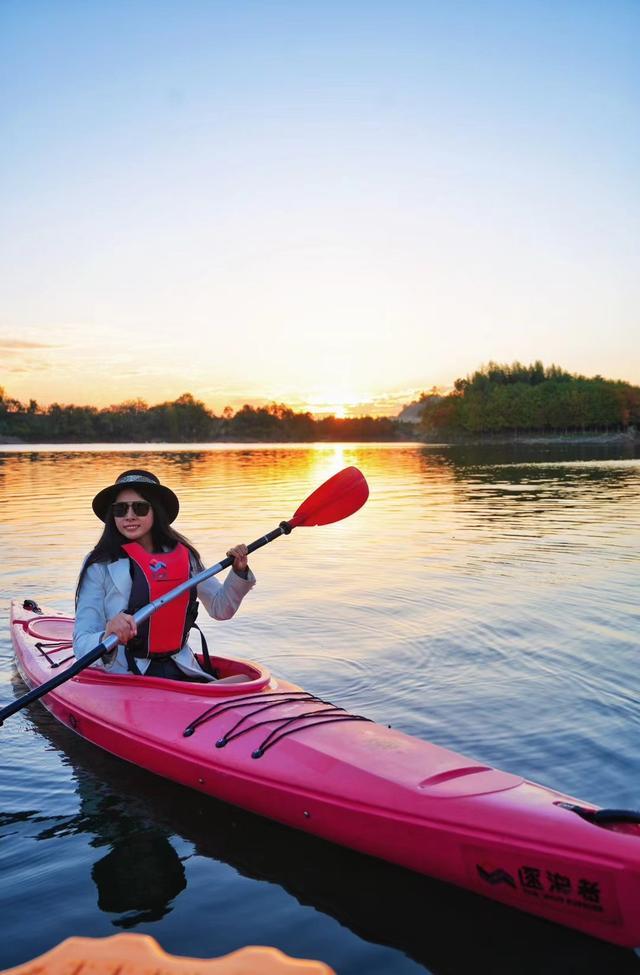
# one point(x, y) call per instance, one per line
point(499, 398)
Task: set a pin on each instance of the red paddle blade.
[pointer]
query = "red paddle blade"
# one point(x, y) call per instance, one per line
point(334, 500)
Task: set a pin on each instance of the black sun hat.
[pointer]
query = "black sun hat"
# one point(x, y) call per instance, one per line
point(134, 479)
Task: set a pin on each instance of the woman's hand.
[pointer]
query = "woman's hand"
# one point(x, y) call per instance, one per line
point(239, 554)
point(123, 626)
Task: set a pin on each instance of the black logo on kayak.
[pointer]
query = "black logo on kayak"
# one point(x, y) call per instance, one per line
point(495, 877)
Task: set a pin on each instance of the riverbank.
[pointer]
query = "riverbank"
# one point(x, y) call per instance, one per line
point(630, 436)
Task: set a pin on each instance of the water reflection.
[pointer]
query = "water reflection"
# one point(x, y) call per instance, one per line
point(141, 874)
point(139, 877)
point(488, 454)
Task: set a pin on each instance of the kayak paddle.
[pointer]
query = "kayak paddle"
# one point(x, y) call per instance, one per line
point(340, 496)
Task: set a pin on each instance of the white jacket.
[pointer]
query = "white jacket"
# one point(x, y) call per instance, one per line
point(105, 591)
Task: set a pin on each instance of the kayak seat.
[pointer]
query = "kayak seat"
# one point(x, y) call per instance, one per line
point(225, 667)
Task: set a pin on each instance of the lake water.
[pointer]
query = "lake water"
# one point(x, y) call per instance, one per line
point(485, 599)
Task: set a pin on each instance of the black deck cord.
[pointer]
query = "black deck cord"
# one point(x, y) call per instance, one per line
point(221, 706)
point(266, 744)
point(231, 734)
point(282, 721)
point(278, 733)
point(54, 647)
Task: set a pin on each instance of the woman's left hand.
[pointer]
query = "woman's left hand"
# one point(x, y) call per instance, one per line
point(240, 555)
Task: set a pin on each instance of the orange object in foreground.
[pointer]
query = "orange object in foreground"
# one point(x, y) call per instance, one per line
point(140, 954)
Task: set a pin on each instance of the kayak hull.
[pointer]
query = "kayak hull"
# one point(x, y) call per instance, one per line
point(270, 747)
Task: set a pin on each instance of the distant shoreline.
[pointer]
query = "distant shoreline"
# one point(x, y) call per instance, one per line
point(619, 437)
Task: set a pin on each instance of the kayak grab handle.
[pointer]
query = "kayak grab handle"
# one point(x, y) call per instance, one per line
point(602, 817)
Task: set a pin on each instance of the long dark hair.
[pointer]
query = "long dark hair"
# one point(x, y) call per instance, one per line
point(109, 546)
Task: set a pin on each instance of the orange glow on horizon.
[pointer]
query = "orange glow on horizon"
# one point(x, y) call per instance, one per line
point(339, 410)
point(340, 402)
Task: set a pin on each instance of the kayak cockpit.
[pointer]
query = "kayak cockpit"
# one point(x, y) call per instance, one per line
point(255, 678)
point(50, 636)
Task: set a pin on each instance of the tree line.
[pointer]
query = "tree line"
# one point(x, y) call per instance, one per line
point(184, 420)
point(496, 399)
point(516, 399)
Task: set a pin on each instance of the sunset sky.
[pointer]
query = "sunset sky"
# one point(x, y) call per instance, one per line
point(330, 204)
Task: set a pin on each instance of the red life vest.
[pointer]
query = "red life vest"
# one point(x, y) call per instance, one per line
point(153, 575)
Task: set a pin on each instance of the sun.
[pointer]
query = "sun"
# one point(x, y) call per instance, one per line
point(339, 410)
point(339, 403)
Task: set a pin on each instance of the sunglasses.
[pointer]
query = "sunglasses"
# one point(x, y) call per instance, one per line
point(140, 508)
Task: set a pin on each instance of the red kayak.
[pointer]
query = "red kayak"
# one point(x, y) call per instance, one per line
point(279, 751)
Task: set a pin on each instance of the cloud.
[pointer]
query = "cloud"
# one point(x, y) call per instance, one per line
point(15, 370)
point(18, 345)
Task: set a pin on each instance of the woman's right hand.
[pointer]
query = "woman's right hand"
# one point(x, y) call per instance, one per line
point(123, 626)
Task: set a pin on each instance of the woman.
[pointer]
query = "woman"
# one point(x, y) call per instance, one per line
point(138, 557)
